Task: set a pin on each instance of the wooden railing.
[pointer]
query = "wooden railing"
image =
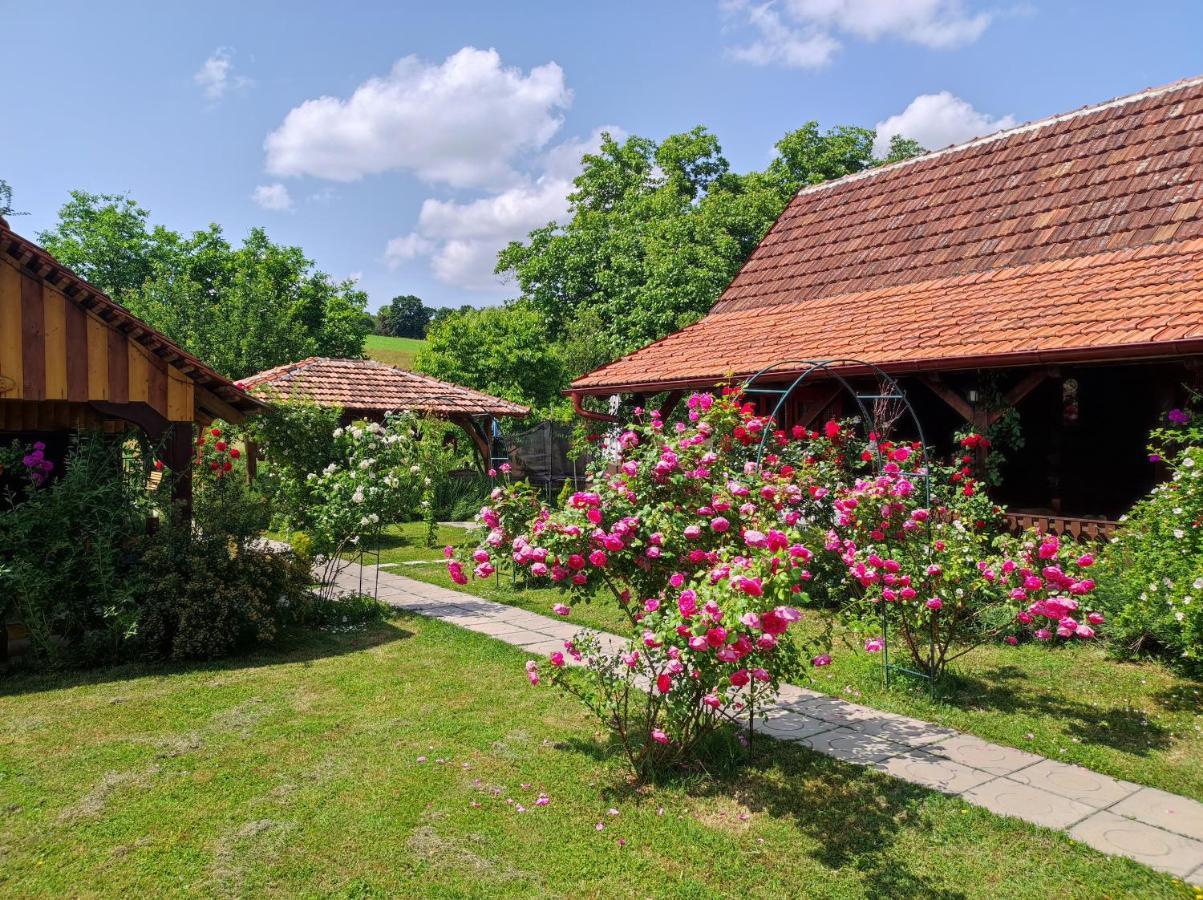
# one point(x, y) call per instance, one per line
point(1063, 526)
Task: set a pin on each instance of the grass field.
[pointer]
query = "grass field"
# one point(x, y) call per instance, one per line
point(1139, 722)
point(406, 760)
point(394, 351)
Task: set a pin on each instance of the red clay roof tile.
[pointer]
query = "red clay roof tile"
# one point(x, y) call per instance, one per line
point(1077, 232)
point(364, 384)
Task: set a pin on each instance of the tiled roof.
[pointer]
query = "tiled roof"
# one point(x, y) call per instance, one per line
point(364, 384)
point(1072, 234)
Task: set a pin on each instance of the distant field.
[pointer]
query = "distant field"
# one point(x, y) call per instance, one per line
point(395, 351)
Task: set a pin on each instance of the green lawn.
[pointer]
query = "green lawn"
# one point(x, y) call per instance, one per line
point(392, 762)
point(395, 351)
point(1139, 722)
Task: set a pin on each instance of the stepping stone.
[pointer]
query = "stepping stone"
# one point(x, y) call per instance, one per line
point(1075, 782)
point(1180, 815)
point(852, 746)
point(1161, 850)
point(934, 772)
point(979, 754)
point(1022, 801)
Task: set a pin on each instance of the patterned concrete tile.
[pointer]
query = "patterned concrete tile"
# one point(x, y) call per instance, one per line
point(496, 629)
point(1169, 811)
point(1161, 850)
point(541, 647)
point(835, 710)
point(1010, 798)
point(852, 746)
point(1075, 782)
point(790, 726)
point(912, 732)
point(934, 772)
point(974, 752)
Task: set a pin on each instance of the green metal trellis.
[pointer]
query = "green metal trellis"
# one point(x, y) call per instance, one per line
point(867, 404)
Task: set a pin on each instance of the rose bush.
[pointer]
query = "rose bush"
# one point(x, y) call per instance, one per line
point(710, 553)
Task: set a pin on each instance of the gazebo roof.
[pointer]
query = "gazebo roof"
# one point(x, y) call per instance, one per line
point(364, 384)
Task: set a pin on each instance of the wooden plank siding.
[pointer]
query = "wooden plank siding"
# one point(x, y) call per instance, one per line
point(56, 352)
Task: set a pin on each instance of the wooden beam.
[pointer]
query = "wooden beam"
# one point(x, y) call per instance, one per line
point(812, 409)
point(1019, 391)
point(217, 406)
point(140, 414)
point(959, 404)
point(670, 402)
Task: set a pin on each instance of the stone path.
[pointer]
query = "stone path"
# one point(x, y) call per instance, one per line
point(1159, 829)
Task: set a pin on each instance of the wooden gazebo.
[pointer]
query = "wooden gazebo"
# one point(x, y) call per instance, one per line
point(367, 389)
point(72, 359)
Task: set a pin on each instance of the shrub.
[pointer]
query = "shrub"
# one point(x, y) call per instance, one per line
point(211, 586)
point(709, 552)
point(67, 544)
point(1151, 574)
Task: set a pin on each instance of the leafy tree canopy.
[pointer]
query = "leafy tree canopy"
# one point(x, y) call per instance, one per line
point(659, 229)
point(405, 316)
point(502, 350)
point(241, 309)
point(6, 199)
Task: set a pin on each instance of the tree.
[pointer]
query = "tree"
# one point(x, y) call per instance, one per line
point(902, 148)
point(405, 316)
point(240, 309)
point(6, 199)
point(657, 231)
point(438, 314)
point(501, 350)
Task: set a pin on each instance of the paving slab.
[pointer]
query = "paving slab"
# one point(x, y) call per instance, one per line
point(790, 726)
point(1022, 801)
point(933, 772)
point(902, 730)
point(502, 630)
point(1165, 810)
point(852, 746)
point(1075, 782)
point(541, 646)
point(1156, 848)
point(978, 754)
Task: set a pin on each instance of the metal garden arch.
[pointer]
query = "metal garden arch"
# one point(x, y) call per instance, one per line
point(869, 406)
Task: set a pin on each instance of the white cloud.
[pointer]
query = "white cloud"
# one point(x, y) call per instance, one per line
point(217, 77)
point(803, 33)
point(272, 196)
point(936, 121)
point(461, 122)
point(780, 44)
point(462, 237)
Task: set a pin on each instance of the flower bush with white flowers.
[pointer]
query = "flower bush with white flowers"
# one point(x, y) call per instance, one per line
point(710, 554)
point(1151, 575)
point(375, 479)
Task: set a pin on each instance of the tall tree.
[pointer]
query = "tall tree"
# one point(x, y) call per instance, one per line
point(658, 230)
point(241, 309)
point(405, 316)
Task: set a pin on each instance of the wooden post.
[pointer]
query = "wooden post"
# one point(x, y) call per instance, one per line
point(178, 453)
point(252, 461)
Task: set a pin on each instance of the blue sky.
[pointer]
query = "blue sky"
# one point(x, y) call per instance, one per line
point(448, 128)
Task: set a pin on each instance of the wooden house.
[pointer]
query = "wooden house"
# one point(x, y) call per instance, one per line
point(1055, 269)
